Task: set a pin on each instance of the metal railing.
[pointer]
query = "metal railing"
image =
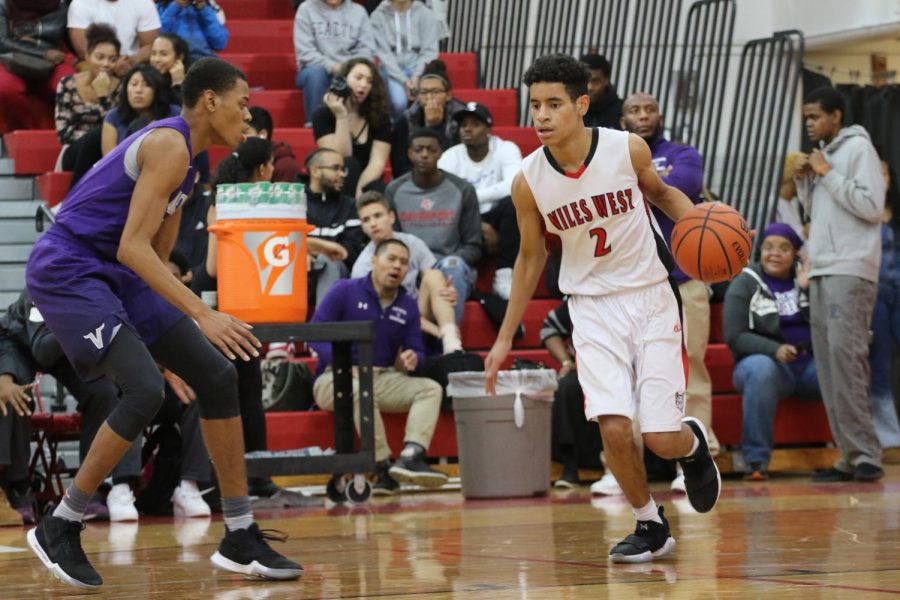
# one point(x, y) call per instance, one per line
point(764, 101)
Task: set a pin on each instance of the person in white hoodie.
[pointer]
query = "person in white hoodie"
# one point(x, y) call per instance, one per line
point(841, 187)
point(327, 33)
point(406, 39)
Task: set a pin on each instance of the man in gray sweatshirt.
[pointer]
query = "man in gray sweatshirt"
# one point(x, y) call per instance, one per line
point(841, 187)
point(328, 33)
point(442, 210)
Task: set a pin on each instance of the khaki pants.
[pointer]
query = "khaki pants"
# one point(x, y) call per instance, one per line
point(394, 392)
point(695, 301)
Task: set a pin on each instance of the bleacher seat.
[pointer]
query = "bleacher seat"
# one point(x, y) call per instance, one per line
point(523, 137)
point(285, 106)
point(256, 9)
point(34, 151)
point(269, 71)
point(258, 35)
point(53, 187)
point(503, 104)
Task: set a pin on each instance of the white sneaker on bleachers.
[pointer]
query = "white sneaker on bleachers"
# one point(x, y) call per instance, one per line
point(120, 503)
point(606, 486)
point(187, 501)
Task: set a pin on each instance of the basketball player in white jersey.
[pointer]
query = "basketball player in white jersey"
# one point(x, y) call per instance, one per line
point(590, 187)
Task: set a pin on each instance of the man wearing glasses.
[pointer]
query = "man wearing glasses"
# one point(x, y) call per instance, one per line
point(334, 216)
point(434, 108)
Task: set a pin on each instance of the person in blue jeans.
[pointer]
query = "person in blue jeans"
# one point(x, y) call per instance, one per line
point(767, 330)
point(886, 331)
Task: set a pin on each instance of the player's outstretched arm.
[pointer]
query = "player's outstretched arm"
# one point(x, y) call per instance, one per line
point(163, 161)
point(669, 199)
point(528, 268)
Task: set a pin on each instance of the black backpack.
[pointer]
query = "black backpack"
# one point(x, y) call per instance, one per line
point(439, 368)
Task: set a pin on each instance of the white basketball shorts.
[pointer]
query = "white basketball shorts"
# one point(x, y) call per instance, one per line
point(631, 355)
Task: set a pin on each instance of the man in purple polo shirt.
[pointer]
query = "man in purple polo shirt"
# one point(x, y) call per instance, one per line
point(680, 166)
point(397, 350)
point(100, 281)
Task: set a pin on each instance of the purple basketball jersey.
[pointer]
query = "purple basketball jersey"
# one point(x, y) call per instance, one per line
point(95, 210)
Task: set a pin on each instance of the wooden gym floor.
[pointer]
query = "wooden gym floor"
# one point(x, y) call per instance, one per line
point(786, 537)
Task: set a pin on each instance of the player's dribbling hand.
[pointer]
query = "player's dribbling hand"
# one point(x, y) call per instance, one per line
point(492, 365)
point(228, 334)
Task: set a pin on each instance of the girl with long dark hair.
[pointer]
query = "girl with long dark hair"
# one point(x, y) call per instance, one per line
point(143, 94)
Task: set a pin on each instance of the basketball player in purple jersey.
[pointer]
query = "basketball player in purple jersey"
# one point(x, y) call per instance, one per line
point(100, 280)
point(587, 186)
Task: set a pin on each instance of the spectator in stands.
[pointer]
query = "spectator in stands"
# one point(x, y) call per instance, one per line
point(328, 33)
point(397, 350)
point(196, 22)
point(841, 183)
point(767, 330)
point(605, 109)
point(442, 210)
point(489, 164)
point(36, 30)
point(436, 297)
point(82, 101)
point(143, 95)
point(575, 439)
point(261, 126)
point(15, 448)
point(434, 108)
point(406, 39)
point(357, 125)
point(170, 55)
point(135, 22)
point(680, 166)
point(251, 162)
point(886, 329)
point(333, 214)
point(28, 346)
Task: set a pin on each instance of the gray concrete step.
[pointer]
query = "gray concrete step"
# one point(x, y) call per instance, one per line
point(12, 277)
point(14, 253)
point(16, 188)
point(18, 230)
point(7, 167)
point(18, 209)
point(7, 298)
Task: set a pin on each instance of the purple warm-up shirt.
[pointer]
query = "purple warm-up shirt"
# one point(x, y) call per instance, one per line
point(686, 175)
point(396, 326)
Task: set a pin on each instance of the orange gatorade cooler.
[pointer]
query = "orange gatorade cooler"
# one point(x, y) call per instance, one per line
point(262, 235)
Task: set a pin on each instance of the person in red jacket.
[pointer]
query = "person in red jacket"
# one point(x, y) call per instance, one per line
point(286, 166)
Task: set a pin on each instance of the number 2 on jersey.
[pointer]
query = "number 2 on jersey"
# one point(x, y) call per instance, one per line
point(602, 248)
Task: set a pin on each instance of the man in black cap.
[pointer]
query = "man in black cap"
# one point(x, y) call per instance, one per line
point(606, 106)
point(489, 164)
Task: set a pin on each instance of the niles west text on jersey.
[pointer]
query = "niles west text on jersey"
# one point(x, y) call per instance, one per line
point(580, 211)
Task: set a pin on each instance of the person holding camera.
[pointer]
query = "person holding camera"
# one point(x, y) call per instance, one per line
point(767, 330)
point(328, 33)
point(356, 124)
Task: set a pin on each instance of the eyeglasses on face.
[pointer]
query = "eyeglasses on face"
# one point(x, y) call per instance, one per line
point(432, 92)
point(336, 168)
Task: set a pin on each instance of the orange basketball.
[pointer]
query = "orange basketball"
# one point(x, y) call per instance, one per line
point(711, 242)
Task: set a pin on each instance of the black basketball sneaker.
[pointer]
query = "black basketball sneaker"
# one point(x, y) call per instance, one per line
point(57, 542)
point(650, 540)
point(702, 481)
point(247, 551)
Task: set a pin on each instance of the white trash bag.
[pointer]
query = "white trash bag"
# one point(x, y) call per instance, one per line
point(534, 384)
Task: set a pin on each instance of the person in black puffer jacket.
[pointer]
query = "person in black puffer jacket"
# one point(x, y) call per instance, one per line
point(767, 330)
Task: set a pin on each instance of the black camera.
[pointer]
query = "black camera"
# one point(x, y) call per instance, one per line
point(339, 87)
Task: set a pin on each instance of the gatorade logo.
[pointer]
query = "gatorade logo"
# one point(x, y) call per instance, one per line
point(274, 255)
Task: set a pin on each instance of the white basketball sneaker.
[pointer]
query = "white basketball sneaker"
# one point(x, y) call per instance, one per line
point(606, 486)
point(187, 501)
point(120, 503)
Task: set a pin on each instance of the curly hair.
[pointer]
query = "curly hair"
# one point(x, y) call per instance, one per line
point(162, 99)
point(209, 73)
point(559, 68)
point(101, 33)
point(374, 108)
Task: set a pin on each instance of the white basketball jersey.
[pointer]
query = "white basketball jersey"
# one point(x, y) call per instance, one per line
point(610, 240)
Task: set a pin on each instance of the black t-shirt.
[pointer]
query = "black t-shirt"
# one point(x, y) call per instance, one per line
point(324, 123)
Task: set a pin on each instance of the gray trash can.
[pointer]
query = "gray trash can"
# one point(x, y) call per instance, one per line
point(503, 441)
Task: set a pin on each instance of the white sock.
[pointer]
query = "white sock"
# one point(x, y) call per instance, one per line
point(647, 513)
point(450, 338)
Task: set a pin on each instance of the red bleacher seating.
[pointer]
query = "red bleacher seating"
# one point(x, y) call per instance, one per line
point(285, 106)
point(503, 104)
point(53, 187)
point(478, 331)
point(256, 9)
point(34, 151)
point(260, 35)
point(523, 137)
point(269, 71)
